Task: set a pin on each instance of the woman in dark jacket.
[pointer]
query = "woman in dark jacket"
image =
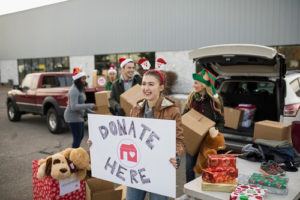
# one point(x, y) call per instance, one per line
point(206, 101)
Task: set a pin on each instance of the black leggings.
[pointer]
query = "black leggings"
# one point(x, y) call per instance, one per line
point(77, 129)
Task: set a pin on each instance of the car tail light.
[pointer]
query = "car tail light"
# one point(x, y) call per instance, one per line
point(291, 110)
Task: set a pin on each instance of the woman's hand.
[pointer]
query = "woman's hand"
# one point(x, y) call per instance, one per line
point(173, 161)
point(89, 143)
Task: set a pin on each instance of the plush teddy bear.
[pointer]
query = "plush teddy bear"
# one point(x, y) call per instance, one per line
point(81, 160)
point(56, 166)
point(212, 142)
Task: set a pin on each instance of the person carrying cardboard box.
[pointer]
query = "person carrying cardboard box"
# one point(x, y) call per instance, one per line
point(127, 79)
point(205, 100)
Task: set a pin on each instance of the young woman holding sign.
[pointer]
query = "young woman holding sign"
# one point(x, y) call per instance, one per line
point(155, 105)
point(206, 101)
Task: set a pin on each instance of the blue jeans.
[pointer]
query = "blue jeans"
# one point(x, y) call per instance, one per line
point(136, 194)
point(190, 162)
point(77, 129)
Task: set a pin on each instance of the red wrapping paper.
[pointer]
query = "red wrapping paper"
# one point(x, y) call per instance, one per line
point(220, 175)
point(221, 160)
point(48, 188)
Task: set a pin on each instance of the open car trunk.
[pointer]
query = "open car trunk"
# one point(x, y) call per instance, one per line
point(262, 93)
point(245, 74)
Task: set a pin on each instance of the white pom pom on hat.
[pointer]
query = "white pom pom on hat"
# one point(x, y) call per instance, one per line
point(112, 70)
point(77, 73)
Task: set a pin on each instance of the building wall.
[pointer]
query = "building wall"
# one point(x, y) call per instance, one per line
point(180, 63)
point(89, 27)
point(9, 71)
point(86, 63)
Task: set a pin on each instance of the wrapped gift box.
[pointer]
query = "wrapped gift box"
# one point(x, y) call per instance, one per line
point(220, 174)
point(250, 192)
point(48, 188)
point(221, 160)
point(218, 187)
point(269, 181)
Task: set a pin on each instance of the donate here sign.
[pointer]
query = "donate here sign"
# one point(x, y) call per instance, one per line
point(134, 152)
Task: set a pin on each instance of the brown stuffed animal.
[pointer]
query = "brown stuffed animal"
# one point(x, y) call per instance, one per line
point(212, 142)
point(55, 166)
point(80, 158)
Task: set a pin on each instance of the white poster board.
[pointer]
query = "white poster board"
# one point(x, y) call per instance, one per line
point(134, 152)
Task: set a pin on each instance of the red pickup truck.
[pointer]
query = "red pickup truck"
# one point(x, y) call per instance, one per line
point(45, 94)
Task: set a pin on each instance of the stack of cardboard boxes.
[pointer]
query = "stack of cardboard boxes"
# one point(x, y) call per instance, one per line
point(102, 103)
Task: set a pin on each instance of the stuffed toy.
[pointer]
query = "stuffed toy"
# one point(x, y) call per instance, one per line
point(81, 160)
point(56, 166)
point(212, 142)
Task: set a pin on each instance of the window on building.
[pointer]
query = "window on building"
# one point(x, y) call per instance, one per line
point(103, 62)
point(54, 64)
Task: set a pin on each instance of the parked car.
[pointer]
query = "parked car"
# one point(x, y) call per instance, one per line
point(251, 74)
point(43, 94)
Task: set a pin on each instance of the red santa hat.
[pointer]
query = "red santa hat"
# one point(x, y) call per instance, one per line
point(160, 62)
point(145, 64)
point(77, 73)
point(123, 61)
point(112, 70)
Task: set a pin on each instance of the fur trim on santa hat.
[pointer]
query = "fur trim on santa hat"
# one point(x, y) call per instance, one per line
point(124, 61)
point(77, 73)
point(145, 64)
point(112, 70)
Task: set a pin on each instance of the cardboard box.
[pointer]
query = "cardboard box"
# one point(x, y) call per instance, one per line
point(102, 103)
point(129, 98)
point(97, 189)
point(123, 188)
point(232, 117)
point(195, 127)
point(271, 130)
point(48, 188)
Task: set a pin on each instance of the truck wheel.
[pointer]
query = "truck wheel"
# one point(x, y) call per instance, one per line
point(13, 112)
point(54, 122)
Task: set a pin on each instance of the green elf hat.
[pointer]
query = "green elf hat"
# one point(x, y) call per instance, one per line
point(209, 83)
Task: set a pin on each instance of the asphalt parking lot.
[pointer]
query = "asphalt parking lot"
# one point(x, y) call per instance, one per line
point(27, 140)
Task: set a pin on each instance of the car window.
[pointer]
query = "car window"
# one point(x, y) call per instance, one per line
point(247, 87)
point(295, 85)
point(65, 81)
point(265, 86)
point(26, 83)
point(50, 82)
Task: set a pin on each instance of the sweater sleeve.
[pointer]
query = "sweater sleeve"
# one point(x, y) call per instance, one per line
point(74, 104)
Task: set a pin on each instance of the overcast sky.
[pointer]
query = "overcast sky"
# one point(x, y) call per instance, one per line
point(11, 6)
